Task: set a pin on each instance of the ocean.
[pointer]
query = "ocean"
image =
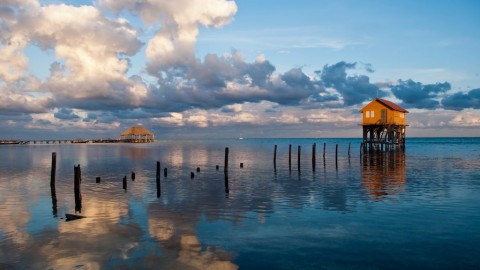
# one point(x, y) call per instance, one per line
point(412, 209)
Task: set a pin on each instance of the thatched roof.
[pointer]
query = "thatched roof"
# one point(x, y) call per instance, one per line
point(137, 131)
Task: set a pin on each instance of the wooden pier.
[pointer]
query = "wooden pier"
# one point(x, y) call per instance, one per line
point(9, 142)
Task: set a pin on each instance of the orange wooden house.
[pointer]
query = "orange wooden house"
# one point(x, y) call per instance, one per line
point(384, 124)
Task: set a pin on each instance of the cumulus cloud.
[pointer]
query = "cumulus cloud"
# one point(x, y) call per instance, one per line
point(88, 47)
point(13, 102)
point(353, 89)
point(460, 101)
point(219, 81)
point(417, 95)
point(173, 44)
point(93, 48)
point(66, 114)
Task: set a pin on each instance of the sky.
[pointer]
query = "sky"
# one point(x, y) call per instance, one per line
point(226, 69)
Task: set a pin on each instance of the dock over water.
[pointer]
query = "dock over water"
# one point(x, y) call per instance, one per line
point(8, 142)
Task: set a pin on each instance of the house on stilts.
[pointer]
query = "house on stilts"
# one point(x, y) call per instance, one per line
point(384, 125)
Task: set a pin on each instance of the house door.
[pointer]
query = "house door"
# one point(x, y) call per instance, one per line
point(384, 116)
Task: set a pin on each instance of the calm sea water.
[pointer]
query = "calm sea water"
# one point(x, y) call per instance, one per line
point(414, 210)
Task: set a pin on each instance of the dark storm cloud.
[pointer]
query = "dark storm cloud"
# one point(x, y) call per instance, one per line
point(460, 101)
point(418, 95)
point(220, 81)
point(15, 117)
point(353, 89)
point(108, 117)
point(66, 114)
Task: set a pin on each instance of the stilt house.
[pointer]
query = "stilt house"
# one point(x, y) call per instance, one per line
point(384, 124)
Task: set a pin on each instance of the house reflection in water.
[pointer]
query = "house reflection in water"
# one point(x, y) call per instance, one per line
point(383, 173)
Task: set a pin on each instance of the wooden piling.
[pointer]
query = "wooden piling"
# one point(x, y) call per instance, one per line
point(349, 149)
point(298, 157)
point(53, 170)
point(241, 165)
point(275, 157)
point(198, 169)
point(314, 158)
point(324, 147)
point(336, 155)
point(125, 183)
point(165, 172)
point(98, 179)
point(77, 179)
point(227, 189)
point(217, 167)
point(289, 157)
point(133, 176)
point(52, 184)
point(226, 160)
point(54, 201)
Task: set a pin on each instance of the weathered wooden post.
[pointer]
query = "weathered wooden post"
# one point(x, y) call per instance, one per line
point(324, 147)
point(125, 183)
point(227, 189)
point(275, 157)
point(54, 169)
point(217, 167)
point(336, 155)
point(192, 175)
point(198, 169)
point(97, 179)
point(226, 160)
point(289, 157)
point(165, 172)
point(77, 179)
point(298, 157)
point(314, 158)
point(241, 165)
point(349, 149)
point(133, 176)
point(54, 201)
point(52, 184)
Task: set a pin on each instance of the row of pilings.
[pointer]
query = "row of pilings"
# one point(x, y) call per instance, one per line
point(78, 178)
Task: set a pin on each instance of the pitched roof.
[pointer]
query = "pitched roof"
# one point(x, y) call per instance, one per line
point(136, 130)
point(388, 104)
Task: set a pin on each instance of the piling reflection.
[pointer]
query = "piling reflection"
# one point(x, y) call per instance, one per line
point(383, 173)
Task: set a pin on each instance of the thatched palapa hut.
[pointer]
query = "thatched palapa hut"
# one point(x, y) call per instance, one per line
point(137, 134)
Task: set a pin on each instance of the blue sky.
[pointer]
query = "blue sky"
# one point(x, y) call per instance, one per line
point(248, 68)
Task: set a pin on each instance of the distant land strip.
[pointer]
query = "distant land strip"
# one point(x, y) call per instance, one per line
point(6, 142)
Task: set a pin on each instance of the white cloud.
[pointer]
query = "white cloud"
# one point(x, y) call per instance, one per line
point(173, 43)
point(467, 118)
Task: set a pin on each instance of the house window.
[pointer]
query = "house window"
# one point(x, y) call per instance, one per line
point(402, 115)
point(369, 114)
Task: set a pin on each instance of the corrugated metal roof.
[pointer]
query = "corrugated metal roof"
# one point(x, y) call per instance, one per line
point(388, 104)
